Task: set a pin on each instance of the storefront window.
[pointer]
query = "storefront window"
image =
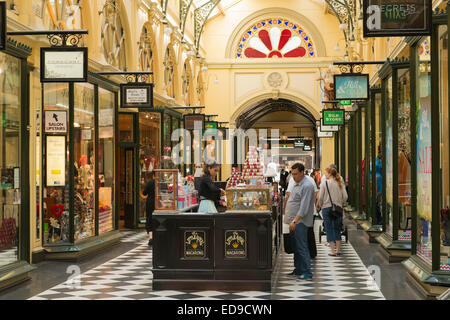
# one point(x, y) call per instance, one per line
point(149, 150)
point(126, 132)
point(106, 161)
point(404, 154)
point(445, 149)
point(10, 108)
point(167, 150)
point(84, 155)
point(424, 209)
point(56, 152)
point(379, 159)
point(389, 159)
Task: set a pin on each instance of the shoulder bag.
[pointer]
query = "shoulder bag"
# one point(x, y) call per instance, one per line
point(336, 211)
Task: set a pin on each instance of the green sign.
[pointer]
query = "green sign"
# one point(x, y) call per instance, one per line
point(211, 126)
point(345, 102)
point(333, 117)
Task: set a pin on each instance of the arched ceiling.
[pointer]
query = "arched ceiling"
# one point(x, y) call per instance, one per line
point(250, 117)
point(344, 10)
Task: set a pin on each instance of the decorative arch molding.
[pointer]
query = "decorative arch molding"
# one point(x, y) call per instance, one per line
point(257, 98)
point(246, 23)
point(148, 29)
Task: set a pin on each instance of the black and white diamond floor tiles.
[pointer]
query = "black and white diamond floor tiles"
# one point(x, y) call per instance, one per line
point(129, 277)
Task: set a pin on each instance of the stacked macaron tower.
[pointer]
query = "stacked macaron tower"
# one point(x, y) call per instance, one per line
point(253, 170)
point(235, 179)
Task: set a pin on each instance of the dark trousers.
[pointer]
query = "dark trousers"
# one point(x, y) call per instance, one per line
point(299, 243)
point(148, 222)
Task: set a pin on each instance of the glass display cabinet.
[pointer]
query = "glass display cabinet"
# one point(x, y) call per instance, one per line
point(166, 182)
point(250, 198)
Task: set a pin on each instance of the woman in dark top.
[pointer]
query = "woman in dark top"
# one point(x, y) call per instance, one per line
point(209, 193)
point(149, 194)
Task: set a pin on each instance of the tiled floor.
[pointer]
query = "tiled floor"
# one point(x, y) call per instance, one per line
point(129, 277)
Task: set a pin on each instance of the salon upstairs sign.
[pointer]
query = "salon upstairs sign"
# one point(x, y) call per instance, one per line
point(383, 18)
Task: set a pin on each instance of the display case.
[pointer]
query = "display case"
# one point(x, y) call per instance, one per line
point(249, 198)
point(166, 182)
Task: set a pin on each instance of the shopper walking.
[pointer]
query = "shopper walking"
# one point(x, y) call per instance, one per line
point(299, 215)
point(209, 193)
point(149, 194)
point(332, 194)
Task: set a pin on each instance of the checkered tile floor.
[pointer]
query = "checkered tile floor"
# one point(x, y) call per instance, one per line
point(128, 277)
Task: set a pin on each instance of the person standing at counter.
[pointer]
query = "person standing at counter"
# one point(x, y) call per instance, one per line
point(149, 194)
point(209, 193)
point(300, 216)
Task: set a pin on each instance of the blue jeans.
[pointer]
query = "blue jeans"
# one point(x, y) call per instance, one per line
point(333, 227)
point(299, 243)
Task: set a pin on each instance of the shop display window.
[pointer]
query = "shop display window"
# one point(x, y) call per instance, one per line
point(379, 159)
point(84, 155)
point(149, 150)
point(389, 159)
point(404, 154)
point(166, 158)
point(56, 210)
point(424, 186)
point(445, 149)
point(126, 129)
point(10, 108)
point(106, 161)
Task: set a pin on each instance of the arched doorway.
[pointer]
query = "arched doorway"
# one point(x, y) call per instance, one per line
point(296, 127)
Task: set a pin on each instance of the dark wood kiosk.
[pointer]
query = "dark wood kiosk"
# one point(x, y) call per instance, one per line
point(224, 251)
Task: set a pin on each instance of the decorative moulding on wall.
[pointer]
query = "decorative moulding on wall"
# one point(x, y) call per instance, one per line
point(275, 80)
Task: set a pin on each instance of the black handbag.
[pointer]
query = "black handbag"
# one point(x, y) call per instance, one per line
point(336, 211)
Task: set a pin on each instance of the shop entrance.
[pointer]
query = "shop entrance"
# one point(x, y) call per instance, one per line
point(126, 188)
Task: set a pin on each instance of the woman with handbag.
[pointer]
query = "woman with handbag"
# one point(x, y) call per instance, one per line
point(332, 197)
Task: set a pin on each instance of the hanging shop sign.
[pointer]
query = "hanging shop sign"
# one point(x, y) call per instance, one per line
point(64, 64)
point(56, 122)
point(2, 25)
point(345, 102)
point(211, 126)
point(333, 117)
point(383, 18)
point(323, 134)
point(328, 128)
point(308, 145)
point(351, 86)
point(136, 95)
point(56, 161)
point(236, 244)
point(194, 244)
point(194, 121)
point(298, 143)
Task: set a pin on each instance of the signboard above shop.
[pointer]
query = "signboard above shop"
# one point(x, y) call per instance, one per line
point(333, 117)
point(384, 18)
point(2, 25)
point(194, 121)
point(351, 86)
point(64, 64)
point(308, 145)
point(136, 95)
point(328, 128)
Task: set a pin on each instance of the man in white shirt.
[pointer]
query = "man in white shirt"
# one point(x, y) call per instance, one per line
point(291, 186)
